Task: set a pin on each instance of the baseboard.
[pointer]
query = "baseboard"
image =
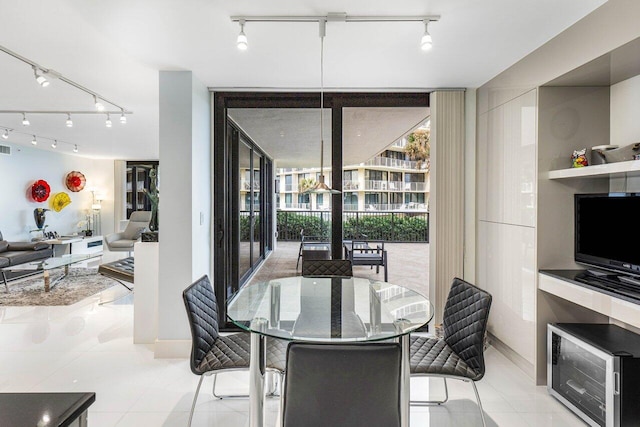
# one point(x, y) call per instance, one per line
point(172, 349)
point(510, 354)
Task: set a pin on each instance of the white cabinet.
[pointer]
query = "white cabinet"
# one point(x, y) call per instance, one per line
point(88, 245)
point(507, 162)
point(506, 269)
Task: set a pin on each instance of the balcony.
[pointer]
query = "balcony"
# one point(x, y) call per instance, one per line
point(395, 163)
point(420, 187)
point(350, 185)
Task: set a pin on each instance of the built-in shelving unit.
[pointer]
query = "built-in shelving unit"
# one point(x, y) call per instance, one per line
point(629, 168)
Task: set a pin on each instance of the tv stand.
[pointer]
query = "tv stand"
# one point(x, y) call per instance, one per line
point(598, 273)
point(629, 280)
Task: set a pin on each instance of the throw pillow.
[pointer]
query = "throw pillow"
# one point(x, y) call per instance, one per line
point(3, 245)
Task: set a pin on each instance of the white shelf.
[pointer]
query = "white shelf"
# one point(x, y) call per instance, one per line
point(630, 168)
point(599, 302)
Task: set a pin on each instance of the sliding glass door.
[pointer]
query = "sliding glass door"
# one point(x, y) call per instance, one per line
point(250, 209)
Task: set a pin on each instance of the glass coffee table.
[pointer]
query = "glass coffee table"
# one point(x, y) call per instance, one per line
point(50, 264)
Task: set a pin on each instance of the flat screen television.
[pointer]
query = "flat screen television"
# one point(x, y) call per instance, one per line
point(605, 231)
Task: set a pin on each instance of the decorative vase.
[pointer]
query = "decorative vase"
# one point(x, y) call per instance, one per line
point(39, 217)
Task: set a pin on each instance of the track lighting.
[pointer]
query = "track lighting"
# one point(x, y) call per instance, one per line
point(75, 148)
point(241, 41)
point(54, 144)
point(25, 121)
point(34, 141)
point(42, 80)
point(5, 135)
point(426, 43)
point(98, 104)
point(123, 118)
point(69, 122)
point(108, 121)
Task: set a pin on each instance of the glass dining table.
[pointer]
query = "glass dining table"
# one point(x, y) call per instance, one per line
point(330, 310)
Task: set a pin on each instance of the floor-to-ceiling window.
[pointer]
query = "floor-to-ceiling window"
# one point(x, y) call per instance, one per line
point(288, 140)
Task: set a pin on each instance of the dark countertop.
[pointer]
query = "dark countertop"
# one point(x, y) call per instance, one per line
point(611, 339)
point(28, 409)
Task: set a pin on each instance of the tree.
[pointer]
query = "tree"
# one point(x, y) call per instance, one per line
point(306, 184)
point(418, 147)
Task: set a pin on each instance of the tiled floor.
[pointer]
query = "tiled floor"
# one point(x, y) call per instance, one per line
point(88, 347)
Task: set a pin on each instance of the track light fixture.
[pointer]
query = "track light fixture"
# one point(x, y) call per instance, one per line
point(25, 121)
point(426, 43)
point(69, 122)
point(42, 80)
point(108, 123)
point(242, 41)
point(40, 72)
point(34, 138)
point(123, 118)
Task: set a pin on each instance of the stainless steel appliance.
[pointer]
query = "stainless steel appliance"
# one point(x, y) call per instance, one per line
point(594, 369)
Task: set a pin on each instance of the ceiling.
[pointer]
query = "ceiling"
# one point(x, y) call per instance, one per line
point(116, 48)
point(292, 136)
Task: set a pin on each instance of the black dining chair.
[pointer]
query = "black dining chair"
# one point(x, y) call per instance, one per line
point(459, 353)
point(330, 267)
point(342, 385)
point(368, 252)
point(212, 353)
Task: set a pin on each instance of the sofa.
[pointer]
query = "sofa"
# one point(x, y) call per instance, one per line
point(15, 253)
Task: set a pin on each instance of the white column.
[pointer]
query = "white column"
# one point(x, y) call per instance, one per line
point(185, 203)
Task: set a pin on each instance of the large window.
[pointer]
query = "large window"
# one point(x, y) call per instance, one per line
point(414, 197)
point(371, 175)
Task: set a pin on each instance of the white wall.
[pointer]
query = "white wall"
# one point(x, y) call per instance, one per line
point(625, 112)
point(28, 164)
point(185, 251)
point(201, 171)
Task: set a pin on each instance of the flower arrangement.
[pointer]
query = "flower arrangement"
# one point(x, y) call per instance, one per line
point(85, 224)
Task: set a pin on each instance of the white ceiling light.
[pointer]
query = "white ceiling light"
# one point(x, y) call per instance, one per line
point(54, 144)
point(69, 122)
point(98, 104)
point(75, 148)
point(123, 118)
point(5, 135)
point(426, 43)
point(25, 121)
point(108, 123)
point(242, 41)
point(42, 80)
point(34, 141)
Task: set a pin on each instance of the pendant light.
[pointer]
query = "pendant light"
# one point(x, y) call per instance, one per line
point(321, 186)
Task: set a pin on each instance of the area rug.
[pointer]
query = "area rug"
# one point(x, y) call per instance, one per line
point(79, 284)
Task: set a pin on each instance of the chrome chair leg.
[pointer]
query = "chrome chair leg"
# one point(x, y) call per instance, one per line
point(225, 396)
point(195, 398)
point(433, 402)
point(475, 389)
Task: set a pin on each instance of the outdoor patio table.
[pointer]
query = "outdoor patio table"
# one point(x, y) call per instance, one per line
point(326, 309)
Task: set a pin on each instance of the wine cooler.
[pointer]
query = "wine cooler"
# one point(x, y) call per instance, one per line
point(594, 370)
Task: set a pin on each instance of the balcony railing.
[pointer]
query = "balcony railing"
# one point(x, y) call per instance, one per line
point(350, 185)
point(295, 206)
point(415, 186)
point(379, 225)
point(290, 187)
point(394, 163)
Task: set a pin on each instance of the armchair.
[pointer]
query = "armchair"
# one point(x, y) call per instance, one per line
point(124, 241)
